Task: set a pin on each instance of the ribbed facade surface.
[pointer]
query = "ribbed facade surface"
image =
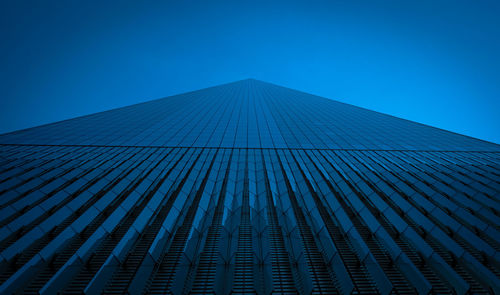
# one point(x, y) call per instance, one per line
point(247, 187)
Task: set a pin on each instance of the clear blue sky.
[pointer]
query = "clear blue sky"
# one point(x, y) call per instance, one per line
point(434, 62)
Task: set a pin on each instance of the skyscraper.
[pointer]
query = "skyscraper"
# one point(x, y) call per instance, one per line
point(247, 187)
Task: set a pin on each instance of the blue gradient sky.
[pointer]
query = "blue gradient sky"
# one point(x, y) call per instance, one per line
point(434, 62)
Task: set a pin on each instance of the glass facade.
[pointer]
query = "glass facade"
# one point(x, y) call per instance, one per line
point(247, 187)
